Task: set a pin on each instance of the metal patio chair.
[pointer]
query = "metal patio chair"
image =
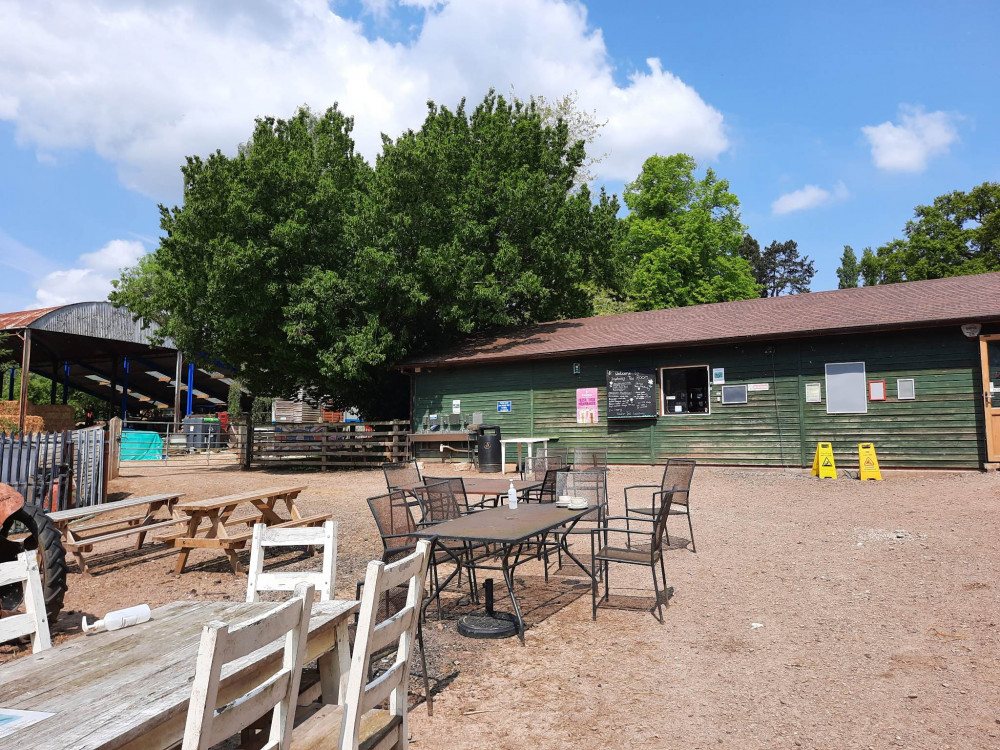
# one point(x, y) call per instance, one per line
point(590, 458)
point(588, 483)
point(677, 475)
point(457, 485)
point(401, 474)
point(439, 503)
point(602, 552)
point(535, 467)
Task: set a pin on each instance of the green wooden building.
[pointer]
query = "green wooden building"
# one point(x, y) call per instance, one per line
point(909, 367)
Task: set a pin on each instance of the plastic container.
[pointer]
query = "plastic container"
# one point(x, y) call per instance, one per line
point(511, 496)
point(120, 618)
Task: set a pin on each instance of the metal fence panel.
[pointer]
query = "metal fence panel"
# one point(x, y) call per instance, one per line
point(88, 474)
point(38, 465)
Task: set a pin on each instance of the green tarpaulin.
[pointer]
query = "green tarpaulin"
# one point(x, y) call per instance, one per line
point(141, 446)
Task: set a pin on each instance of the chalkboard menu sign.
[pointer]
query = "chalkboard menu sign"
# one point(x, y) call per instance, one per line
point(632, 394)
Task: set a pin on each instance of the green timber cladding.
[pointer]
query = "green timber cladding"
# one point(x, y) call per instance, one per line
point(941, 427)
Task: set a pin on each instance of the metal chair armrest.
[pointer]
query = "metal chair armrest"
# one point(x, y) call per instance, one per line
point(606, 529)
point(647, 519)
point(639, 487)
point(397, 536)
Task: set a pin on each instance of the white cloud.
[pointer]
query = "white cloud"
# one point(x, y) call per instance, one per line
point(92, 279)
point(906, 147)
point(810, 196)
point(145, 84)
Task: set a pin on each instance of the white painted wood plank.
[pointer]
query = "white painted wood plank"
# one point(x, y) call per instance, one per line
point(109, 689)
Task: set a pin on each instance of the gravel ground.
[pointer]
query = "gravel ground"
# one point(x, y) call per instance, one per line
point(833, 614)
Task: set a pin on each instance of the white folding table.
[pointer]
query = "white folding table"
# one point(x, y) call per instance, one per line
point(530, 442)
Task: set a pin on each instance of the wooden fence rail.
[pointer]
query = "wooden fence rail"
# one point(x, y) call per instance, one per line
point(328, 445)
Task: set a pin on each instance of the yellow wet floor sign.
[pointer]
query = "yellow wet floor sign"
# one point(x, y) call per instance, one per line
point(823, 465)
point(868, 462)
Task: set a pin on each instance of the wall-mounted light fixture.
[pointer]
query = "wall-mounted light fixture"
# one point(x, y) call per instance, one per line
point(971, 330)
point(576, 368)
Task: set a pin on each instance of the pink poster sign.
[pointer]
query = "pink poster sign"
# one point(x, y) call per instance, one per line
point(586, 406)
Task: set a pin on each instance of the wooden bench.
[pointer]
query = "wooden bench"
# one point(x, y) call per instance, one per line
point(214, 517)
point(138, 524)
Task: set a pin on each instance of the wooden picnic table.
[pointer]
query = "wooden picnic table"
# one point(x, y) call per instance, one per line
point(218, 512)
point(72, 523)
point(130, 688)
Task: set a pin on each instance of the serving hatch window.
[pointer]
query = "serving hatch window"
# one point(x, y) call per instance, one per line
point(684, 390)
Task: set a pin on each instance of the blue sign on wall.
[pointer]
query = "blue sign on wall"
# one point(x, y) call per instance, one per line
point(505, 407)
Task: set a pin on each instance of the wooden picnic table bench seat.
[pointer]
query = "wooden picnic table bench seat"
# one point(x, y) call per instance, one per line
point(86, 511)
point(215, 516)
point(137, 524)
point(239, 540)
point(249, 520)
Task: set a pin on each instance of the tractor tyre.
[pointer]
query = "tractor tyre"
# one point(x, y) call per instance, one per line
point(46, 540)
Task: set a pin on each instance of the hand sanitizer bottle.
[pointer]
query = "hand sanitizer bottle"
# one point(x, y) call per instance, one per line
point(120, 618)
point(511, 496)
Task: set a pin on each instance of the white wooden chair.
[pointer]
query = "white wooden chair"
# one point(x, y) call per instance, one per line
point(207, 723)
point(324, 581)
point(359, 722)
point(34, 621)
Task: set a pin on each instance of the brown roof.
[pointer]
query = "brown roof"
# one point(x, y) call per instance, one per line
point(13, 321)
point(914, 304)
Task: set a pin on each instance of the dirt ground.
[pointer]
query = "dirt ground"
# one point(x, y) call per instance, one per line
point(815, 614)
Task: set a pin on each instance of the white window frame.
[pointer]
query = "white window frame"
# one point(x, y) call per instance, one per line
point(913, 389)
point(708, 398)
point(864, 378)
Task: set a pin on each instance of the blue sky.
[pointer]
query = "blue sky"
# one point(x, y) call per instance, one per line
point(831, 121)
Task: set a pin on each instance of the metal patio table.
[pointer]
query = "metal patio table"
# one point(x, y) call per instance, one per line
point(483, 486)
point(507, 529)
point(494, 487)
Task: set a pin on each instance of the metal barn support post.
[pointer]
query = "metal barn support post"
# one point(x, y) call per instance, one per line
point(190, 389)
point(124, 406)
point(177, 391)
point(22, 406)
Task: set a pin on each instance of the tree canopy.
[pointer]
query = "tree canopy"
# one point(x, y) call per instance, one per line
point(682, 239)
point(778, 269)
point(299, 264)
point(958, 234)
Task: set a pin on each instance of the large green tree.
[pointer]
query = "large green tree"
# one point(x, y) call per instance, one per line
point(779, 268)
point(253, 232)
point(958, 234)
point(683, 238)
point(300, 265)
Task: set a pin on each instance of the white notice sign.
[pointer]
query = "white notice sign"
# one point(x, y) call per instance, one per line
point(759, 387)
point(456, 406)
